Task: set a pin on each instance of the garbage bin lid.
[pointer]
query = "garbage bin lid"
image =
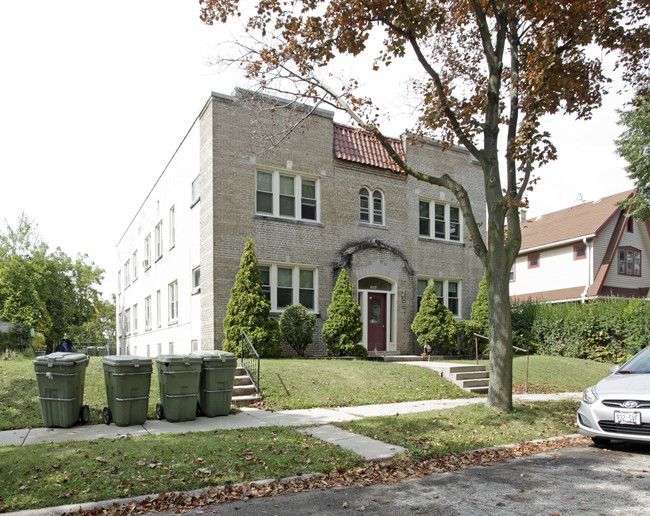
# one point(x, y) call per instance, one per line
point(61, 358)
point(178, 359)
point(215, 355)
point(126, 360)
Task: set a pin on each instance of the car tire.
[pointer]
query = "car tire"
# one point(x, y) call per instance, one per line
point(600, 441)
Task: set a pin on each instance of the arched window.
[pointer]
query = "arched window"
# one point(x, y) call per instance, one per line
point(364, 205)
point(372, 213)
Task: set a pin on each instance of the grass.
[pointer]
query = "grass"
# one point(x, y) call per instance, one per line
point(19, 405)
point(294, 384)
point(435, 434)
point(548, 374)
point(75, 472)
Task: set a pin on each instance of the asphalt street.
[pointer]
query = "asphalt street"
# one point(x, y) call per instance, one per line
point(572, 480)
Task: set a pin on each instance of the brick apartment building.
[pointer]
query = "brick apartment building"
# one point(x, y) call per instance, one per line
point(314, 200)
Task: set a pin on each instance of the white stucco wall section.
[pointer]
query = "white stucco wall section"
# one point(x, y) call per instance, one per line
point(173, 188)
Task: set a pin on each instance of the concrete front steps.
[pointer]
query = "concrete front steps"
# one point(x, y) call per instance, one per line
point(244, 393)
point(472, 378)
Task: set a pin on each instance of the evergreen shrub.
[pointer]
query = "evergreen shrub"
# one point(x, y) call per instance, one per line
point(248, 309)
point(434, 325)
point(343, 330)
point(297, 328)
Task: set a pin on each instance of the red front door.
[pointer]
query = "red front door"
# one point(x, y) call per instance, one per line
point(376, 321)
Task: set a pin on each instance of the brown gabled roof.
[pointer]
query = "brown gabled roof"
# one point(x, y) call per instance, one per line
point(571, 223)
point(359, 146)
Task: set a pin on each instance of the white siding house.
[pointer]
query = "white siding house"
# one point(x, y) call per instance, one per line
point(588, 251)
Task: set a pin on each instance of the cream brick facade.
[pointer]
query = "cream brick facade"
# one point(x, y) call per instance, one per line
point(237, 138)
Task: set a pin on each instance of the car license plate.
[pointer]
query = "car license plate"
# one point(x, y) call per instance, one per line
point(627, 417)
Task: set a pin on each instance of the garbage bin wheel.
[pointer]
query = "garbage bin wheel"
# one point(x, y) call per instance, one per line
point(199, 412)
point(107, 415)
point(160, 413)
point(84, 414)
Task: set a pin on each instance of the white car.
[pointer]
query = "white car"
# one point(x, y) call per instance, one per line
point(618, 407)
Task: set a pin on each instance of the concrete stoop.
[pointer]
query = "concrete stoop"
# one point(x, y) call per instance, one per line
point(472, 378)
point(244, 393)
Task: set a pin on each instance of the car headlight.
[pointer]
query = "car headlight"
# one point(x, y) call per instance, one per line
point(590, 396)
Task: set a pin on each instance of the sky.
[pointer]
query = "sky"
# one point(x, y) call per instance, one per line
point(96, 96)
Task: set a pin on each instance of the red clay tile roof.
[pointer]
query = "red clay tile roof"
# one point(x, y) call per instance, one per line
point(571, 223)
point(562, 294)
point(359, 146)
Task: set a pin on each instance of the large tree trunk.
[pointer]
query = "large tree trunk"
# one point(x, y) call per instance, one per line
point(497, 272)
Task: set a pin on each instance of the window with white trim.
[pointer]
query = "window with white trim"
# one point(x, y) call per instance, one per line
point(135, 265)
point(286, 195)
point(196, 280)
point(285, 285)
point(371, 206)
point(158, 309)
point(172, 308)
point(196, 191)
point(447, 292)
point(147, 313)
point(135, 318)
point(195, 345)
point(159, 241)
point(441, 221)
point(629, 261)
point(119, 282)
point(127, 273)
point(146, 263)
point(127, 321)
point(172, 227)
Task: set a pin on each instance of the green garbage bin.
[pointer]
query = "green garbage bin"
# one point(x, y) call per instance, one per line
point(128, 380)
point(217, 380)
point(178, 378)
point(92, 351)
point(60, 377)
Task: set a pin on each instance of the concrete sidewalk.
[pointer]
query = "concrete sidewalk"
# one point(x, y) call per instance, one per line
point(255, 418)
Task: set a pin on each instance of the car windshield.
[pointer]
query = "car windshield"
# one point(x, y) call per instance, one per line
point(638, 364)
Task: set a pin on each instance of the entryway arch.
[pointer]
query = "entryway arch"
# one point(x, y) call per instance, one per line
point(377, 299)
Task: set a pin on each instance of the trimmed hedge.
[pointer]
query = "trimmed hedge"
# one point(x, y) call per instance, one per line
point(607, 330)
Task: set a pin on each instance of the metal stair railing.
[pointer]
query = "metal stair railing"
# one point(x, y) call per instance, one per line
point(250, 360)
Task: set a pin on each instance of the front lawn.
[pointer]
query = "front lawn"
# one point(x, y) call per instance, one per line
point(294, 384)
point(45, 475)
point(434, 434)
point(547, 374)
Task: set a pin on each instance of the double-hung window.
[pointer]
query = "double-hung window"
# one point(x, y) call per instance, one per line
point(172, 309)
point(371, 206)
point(286, 195)
point(629, 261)
point(146, 263)
point(196, 191)
point(439, 220)
point(196, 280)
point(172, 227)
point(127, 273)
point(285, 285)
point(159, 241)
point(147, 313)
point(135, 265)
point(447, 292)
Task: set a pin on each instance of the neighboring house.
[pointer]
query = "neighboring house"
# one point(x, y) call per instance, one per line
point(589, 251)
point(319, 199)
